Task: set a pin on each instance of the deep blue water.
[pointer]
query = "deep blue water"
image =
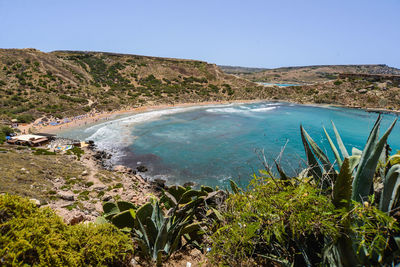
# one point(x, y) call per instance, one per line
point(210, 145)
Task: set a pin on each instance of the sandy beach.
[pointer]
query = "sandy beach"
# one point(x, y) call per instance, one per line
point(90, 118)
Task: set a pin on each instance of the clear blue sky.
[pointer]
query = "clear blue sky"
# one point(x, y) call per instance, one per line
point(229, 32)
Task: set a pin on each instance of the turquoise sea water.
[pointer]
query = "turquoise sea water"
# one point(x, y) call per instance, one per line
point(212, 144)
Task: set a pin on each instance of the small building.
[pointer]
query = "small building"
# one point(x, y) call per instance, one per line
point(28, 140)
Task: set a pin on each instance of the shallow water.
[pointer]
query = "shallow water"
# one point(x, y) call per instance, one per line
point(212, 144)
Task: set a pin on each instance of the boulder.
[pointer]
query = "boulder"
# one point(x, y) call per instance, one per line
point(76, 219)
point(35, 201)
point(123, 169)
point(142, 168)
point(107, 198)
point(362, 91)
point(66, 196)
point(158, 184)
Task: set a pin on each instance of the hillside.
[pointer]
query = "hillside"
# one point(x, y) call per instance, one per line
point(65, 83)
point(306, 74)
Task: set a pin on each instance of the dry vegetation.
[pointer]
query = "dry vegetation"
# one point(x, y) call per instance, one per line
point(306, 75)
point(65, 83)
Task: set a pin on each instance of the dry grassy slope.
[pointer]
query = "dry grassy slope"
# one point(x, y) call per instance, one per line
point(347, 92)
point(308, 74)
point(65, 82)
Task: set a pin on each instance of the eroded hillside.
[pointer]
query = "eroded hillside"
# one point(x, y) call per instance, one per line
point(306, 74)
point(65, 83)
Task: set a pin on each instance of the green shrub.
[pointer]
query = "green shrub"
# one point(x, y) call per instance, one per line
point(338, 82)
point(76, 151)
point(25, 118)
point(4, 131)
point(273, 222)
point(41, 151)
point(37, 236)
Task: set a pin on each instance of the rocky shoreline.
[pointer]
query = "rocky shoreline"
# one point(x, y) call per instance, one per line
point(101, 181)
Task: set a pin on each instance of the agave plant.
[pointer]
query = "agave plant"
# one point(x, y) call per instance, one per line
point(121, 214)
point(202, 202)
point(161, 234)
point(361, 165)
point(355, 182)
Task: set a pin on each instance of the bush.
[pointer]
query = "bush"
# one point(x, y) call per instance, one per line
point(4, 131)
point(42, 151)
point(338, 82)
point(25, 118)
point(274, 222)
point(76, 151)
point(37, 236)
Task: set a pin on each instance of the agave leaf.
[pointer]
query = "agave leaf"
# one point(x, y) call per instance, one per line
point(395, 159)
point(371, 142)
point(157, 216)
point(192, 228)
point(318, 152)
point(161, 239)
point(396, 200)
point(342, 187)
point(390, 187)
point(151, 231)
point(369, 160)
point(143, 246)
point(313, 165)
point(234, 187)
point(159, 258)
point(334, 149)
point(339, 141)
point(144, 236)
point(354, 160)
point(282, 174)
point(217, 214)
point(176, 239)
point(356, 152)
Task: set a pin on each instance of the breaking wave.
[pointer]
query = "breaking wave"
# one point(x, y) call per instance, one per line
point(245, 110)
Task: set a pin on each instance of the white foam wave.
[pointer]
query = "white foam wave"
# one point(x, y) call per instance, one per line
point(226, 110)
point(263, 109)
point(242, 111)
point(116, 134)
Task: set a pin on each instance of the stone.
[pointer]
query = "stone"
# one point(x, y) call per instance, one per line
point(77, 219)
point(120, 168)
point(99, 188)
point(107, 198)
point(188, 184)
point(35, 201)
point(158, 184)
point(133, 262)
point(66, 196)
point(84, 173)
point(142, 168)
point(362, 91)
